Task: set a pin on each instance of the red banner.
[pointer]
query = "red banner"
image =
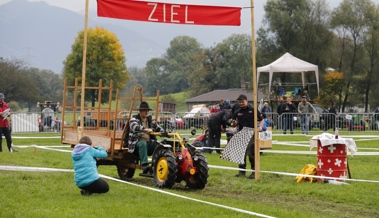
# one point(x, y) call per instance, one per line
point(169, 13)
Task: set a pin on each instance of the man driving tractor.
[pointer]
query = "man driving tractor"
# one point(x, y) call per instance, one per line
point(141, 125)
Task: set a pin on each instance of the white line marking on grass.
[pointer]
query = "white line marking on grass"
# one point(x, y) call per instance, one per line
point(36, 137)
point(292, 174)
point(280, 173)
point(51, 148)
point(34, 169)
point(292, 144)
point(315, 152)
point(40, 169)
point(188, 198)
point(375, 149)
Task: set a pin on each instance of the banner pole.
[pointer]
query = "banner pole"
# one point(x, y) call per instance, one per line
point(81, 128)
point(256, 145)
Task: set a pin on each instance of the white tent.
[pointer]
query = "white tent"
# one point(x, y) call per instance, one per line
point(289, 64)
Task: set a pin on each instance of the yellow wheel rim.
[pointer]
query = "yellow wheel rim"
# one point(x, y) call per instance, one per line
point(162, 169)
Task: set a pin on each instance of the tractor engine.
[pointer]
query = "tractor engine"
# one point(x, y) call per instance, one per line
point(185, 164)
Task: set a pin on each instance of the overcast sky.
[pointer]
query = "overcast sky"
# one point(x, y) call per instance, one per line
point(79, 6)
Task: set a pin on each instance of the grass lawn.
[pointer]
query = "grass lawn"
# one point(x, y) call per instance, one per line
point(54, 194)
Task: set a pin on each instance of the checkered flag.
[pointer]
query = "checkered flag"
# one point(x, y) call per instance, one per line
point(236, 148)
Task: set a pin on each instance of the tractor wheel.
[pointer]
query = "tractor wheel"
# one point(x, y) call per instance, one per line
point(164, 168)
point(200, 179)
point(125, 173)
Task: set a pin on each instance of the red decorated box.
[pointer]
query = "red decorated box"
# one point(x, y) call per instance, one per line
point(331, 161)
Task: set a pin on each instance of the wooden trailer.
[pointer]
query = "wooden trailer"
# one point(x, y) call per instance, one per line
point(108, 136)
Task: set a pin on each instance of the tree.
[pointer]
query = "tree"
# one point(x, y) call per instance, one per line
point(351, 18)
point(224, 66)
point(17, 84)
point(205, 79)
point(299, 27)
point(170, 73)
point(49, 84)
point(105, 60)
point(371, 44)
point(234, 57)
point(332, 91)
point(182, 60)
point(157, 77)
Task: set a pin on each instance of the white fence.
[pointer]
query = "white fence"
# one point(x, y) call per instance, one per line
point(29, 122)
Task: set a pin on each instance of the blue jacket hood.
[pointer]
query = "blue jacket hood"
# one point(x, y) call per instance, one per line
point(79, 150)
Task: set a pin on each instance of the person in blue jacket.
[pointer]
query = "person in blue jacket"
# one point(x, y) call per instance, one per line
point(84, 159)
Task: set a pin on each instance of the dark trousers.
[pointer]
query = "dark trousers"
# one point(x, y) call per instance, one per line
point(144, 149)
point(214, 136)
point(250, 152)
point(98, 186)
point(287, 123)
point(7, 134)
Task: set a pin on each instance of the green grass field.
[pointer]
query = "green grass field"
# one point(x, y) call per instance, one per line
point(54, 194)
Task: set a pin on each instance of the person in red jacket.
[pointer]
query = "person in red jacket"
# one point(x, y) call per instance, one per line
point(4, 124)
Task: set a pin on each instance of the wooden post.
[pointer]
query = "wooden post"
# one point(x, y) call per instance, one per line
point(80, 130)
point(256, 147)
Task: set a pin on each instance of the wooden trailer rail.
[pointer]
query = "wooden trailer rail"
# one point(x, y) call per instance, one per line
point(111, 140)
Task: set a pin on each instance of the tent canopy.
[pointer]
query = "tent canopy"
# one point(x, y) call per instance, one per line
point(289, 64)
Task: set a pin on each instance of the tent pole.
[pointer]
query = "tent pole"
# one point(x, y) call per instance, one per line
point(80, 129)
point(254, 71)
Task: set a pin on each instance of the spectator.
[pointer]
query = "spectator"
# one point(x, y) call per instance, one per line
point(58, 124)
point(4, 124)
point(265, 110)
point(48, 121)
point(215, 108)
point(141, 125)
point(40, 126)
point(303, 109)
point(227, 105)
point(244, 117)
point(222, 104)
point(331, 118)
point(288, 110)
point(376, 116)
point(279, 108)
point(84, 159)
point(279, 111)
point(216, 125)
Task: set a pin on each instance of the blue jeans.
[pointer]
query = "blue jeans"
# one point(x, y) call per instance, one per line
point(287, 121)
point(304, 124)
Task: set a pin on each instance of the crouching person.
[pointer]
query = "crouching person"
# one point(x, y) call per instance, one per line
point(84, 159)
point(140, 141)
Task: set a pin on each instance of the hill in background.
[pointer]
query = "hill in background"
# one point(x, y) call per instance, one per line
point(42, 34)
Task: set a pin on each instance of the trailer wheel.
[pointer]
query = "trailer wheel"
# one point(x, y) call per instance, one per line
point(200, 179)
point(125, 173)
point(164, 168)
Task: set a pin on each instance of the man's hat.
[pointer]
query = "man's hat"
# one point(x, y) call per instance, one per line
point(2, 95)
point(144, 106)
point(242, 97)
